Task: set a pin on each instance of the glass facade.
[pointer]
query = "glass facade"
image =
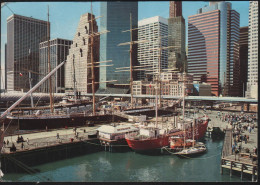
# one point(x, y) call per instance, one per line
point(176, 39)
point(203, 46)
point(243, 58)
point(59, 49)
point(23, 37)
point(234, 82)
point(116, 18)
point(221, 33)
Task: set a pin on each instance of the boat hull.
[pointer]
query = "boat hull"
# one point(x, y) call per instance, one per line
point(163, 140)
point(191, 154)
point(41, 122)
point(148, 144)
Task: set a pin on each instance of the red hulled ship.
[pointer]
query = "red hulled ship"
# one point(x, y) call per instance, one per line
point(155, 138)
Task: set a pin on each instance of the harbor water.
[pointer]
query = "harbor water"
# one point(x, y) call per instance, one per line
point(133, 167)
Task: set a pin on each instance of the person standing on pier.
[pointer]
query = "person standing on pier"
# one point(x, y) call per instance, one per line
point(236, 153)
point(58, 136)
point(245, 138)
point(233, 149)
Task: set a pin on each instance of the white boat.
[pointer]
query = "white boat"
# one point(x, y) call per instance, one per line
point(199, 148)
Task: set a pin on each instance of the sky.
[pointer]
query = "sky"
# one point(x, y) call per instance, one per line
point(64, 16)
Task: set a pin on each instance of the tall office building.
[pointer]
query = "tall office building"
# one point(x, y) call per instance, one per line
point(176, 39)
point(213, 44)
point(252, 84)
point(155, 31)
point(116, 18)
point(78, 66)
point(243, 56)
point(59, 49)
point(23, 37)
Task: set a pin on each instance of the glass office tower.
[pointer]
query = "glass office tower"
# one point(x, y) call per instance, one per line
point(213, 43)
point(116, 18)
point(176, 39)
point(59, 49)
point(23, 37)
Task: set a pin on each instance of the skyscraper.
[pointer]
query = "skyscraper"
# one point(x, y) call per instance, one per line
point(252, 85)
point(176, 38)
point(213, 44)
point(116, 18)
point(243, 56)
point(155, 31)
point(59, 49)
point(78, 65)
point(23, 37)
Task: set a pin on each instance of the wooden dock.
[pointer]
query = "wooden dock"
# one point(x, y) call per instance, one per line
point(242, 162)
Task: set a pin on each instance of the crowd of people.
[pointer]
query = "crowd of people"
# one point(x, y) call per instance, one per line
point(240, 123)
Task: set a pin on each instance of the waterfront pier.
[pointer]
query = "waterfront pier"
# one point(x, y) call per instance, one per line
point(46, 146)
point(238, 155)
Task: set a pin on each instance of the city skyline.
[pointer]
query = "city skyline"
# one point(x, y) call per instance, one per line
point(59, 20)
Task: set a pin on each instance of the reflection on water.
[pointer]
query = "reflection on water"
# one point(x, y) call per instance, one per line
point(133, 167)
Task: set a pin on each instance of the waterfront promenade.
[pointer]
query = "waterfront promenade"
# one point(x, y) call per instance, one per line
point(217, 122)
point(48, 138)
point(242, 157)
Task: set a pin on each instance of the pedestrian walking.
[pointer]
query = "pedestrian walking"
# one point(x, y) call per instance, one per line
point(7, 142)
point(27, 141)
point(239, 148)
point(245, 139)
point(233, 149)
point(236, 153)
point(22, 146)
point(58, 136)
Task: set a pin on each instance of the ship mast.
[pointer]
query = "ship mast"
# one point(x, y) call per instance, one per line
point(159, 69)
point(92, 65)
point(183, 109)
point(131, 62)
point(49, 63)
point(193, 127)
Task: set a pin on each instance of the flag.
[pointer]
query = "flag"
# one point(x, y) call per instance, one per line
point(20, 74)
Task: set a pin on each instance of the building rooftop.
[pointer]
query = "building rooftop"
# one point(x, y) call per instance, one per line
point(25, 18)
point(152, 20)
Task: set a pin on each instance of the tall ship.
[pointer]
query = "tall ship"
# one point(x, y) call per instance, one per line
point(59, 118)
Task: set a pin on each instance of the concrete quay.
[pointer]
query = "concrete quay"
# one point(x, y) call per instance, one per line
point(47, 138)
